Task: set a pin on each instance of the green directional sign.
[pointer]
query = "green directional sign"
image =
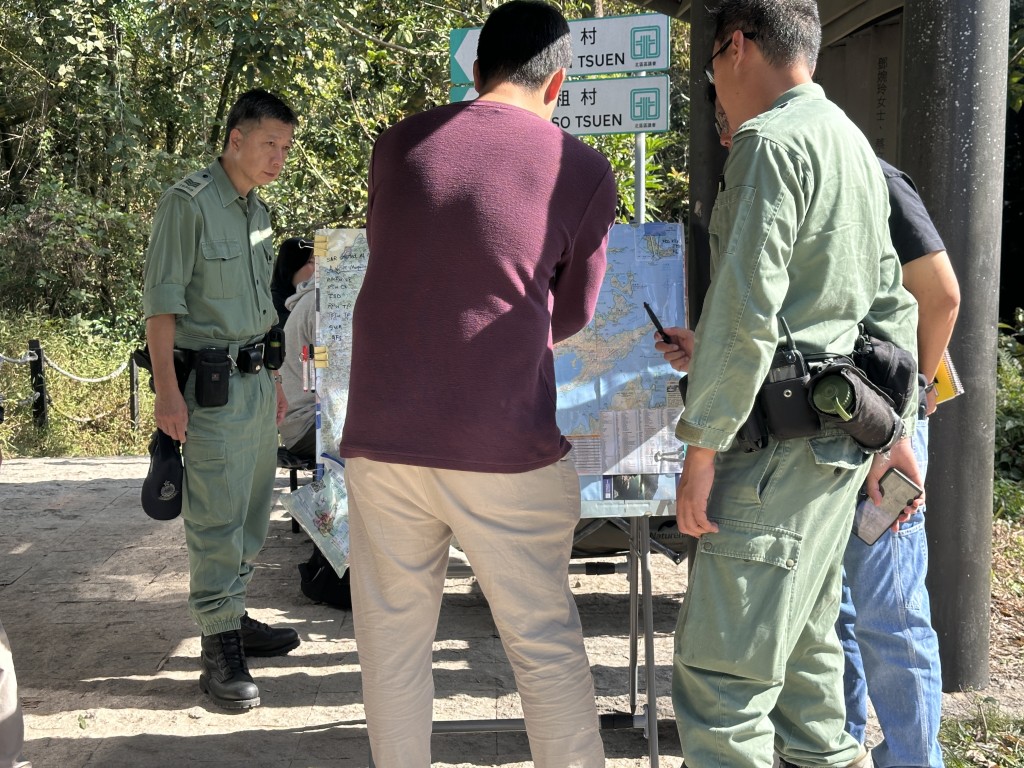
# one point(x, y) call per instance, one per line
point(462, 54)
point(606, 45)
point(609, 105)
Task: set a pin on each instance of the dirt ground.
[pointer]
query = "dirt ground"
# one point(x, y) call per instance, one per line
point(92, 594)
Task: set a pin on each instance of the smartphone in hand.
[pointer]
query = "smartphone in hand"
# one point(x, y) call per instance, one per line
point(898, 491)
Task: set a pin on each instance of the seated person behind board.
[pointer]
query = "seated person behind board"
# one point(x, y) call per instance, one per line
point(293, 265)
point(298, 430)
point(319, 581)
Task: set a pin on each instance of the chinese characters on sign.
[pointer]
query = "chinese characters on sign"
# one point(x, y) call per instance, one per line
point(644, 50)
point(601, 46)
point(620, 105)
point(609, 105)
point(881, 88)
point(607, 45)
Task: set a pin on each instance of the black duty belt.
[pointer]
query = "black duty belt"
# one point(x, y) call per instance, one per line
point(249, 360)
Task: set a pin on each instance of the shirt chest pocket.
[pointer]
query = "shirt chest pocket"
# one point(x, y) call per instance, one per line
point(223, 265)
point(728, 218)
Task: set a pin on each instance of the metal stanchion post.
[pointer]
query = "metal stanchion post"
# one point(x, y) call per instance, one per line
point(38, 380)
point(133, 393)
point(644, 525)
point(633, 566)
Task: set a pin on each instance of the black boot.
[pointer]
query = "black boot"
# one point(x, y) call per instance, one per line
point(225, 675)
point(259, 639)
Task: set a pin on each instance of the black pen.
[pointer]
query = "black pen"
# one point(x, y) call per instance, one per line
point(657, 324)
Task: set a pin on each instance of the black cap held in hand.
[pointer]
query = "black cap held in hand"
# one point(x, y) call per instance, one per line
point(161, 490)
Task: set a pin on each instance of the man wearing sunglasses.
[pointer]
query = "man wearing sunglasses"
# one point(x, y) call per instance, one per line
point(797, 233)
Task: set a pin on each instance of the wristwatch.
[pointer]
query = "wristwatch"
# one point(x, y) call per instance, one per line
point(280, 380)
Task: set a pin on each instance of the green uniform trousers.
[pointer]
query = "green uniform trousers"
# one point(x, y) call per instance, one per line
point(757, 664)
point(230, 465)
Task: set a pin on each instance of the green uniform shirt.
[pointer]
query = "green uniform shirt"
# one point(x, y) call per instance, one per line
point(791, 237)
point(209, 262)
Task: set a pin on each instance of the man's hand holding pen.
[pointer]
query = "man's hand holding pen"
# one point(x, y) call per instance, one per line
point(679, 353)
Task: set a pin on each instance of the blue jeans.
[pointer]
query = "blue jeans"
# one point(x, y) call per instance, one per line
point(892, 652)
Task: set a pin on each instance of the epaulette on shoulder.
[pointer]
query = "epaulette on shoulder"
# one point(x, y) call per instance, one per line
point(193, 184)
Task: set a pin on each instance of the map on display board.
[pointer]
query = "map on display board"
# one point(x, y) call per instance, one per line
point(618, 401)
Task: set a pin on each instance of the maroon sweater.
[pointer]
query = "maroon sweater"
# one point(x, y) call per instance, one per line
point(487, 228)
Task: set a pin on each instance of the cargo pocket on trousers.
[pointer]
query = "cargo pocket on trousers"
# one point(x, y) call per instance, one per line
point(838, 451)
point(741, 601)
point(208, 493)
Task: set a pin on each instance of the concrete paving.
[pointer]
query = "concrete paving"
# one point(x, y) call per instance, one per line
point(92, 594)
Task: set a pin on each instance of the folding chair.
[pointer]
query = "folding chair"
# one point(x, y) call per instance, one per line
point(288, 460)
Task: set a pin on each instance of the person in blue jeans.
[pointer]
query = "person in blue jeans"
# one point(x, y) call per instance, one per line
point(892, 652)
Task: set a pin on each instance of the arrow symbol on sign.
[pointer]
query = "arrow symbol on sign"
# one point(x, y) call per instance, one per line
point(462, 53)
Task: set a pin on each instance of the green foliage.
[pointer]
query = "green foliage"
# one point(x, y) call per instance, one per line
point(104, 104)
point(1015, 69)
point(67, 254)
point(1009, 443)
point(989, 738)
point(85, 419)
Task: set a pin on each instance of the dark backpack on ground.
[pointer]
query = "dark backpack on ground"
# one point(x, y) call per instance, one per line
point(322, 584)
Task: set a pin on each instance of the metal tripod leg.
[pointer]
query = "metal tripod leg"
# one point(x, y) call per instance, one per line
point(642, 541)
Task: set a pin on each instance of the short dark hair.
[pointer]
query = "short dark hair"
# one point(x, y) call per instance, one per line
point(255, 105)
point(523, 42)
point(787, 30)
point(292, 255)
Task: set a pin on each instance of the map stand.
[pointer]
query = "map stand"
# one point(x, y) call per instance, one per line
point(617, 403)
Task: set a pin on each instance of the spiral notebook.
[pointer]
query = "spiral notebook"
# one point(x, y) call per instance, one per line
point(947, 380)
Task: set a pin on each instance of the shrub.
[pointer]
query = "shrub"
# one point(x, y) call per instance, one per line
point(68, 255)
point(1008, 501)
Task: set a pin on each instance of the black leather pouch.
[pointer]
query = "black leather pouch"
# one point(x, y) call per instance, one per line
point(783, 397)
point(753, 433)
point(213, 372)
point(891, 369)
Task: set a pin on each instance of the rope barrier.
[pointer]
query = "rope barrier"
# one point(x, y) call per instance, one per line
point(39, 400)
point(61, 371)
point(30, 357)
point(25, 359)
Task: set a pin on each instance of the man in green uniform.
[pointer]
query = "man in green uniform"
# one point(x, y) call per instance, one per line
point(798, 233)
point(207, 287)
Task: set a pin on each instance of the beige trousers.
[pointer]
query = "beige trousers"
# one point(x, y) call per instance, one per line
point(12, 727)
point(516, 530)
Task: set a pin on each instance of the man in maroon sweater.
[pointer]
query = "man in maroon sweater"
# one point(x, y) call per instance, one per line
point(487, 228)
